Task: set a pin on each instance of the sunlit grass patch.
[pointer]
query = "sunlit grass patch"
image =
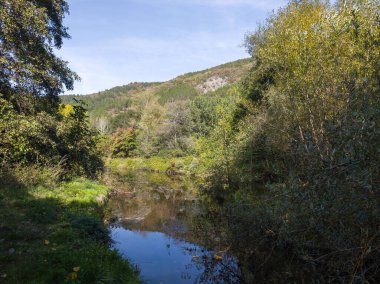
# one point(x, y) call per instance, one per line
point(155, 164)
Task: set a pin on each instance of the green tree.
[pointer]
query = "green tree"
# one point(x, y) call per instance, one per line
point(34, 128)
point(77, 142)
point(174, 131)
point(30, 31)
point(203, 114)
point(152, 117)
point(124, 142)
point(309, 120)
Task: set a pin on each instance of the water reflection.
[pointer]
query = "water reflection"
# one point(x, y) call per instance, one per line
point(151, 228)
point(164, 259)
point(161, 259)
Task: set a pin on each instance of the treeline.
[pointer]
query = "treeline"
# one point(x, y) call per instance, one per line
point(169, 128)
point(155, 109)
point(111, 109)
point(293, 160)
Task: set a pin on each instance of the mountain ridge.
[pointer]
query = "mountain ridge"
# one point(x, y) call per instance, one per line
point(122, 105)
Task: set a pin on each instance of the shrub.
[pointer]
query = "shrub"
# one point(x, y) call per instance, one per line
point(124, 142)
point(62, 138)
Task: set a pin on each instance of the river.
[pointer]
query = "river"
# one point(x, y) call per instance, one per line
point(152, 225)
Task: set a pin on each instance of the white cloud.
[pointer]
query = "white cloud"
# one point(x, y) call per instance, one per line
point(122, 60)
point(114, 55)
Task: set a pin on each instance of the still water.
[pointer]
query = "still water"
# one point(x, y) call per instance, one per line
point(161, 258)
point(151, 227)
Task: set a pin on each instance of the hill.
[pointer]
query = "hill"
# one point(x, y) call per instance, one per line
point(122, 106)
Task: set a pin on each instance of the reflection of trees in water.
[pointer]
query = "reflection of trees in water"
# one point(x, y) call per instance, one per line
point(261, 257)
point(220, 271)
point(216, 268)
point(161, 209)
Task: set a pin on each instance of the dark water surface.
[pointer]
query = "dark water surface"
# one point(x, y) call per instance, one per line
point(150, 226)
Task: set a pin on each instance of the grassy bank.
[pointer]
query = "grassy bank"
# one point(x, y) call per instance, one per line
point(137, 173)
point(54, 234)
point(182, 165)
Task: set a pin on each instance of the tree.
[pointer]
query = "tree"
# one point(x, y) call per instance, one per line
point(124, 142)
point(152, 117)
point(174, 132)
point(29, 33)
point(310, 118)
point(203, 114)
point(102, 124)
point(76, 141)
point(34, 127)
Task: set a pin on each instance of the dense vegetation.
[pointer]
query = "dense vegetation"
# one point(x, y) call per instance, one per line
point(306, 127)
point(286, 144)
point(51, 232)
point(122, 107)
point(289, 154)
point(34, 127)
point(51, 229)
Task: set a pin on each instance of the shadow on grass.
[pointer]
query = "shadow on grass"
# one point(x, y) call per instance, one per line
point(45, 238)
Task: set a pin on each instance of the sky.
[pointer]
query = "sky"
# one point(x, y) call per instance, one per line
point(116, 42)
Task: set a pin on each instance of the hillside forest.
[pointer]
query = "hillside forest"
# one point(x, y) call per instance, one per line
point(283, 146)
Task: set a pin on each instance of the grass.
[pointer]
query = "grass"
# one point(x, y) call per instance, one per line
point(55, 235)
point(137, 173)
point(183, 165)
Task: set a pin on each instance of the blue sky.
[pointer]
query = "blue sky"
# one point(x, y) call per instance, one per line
point(115, 42)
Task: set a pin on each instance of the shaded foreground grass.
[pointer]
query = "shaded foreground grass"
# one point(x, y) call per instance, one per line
point(55, 235)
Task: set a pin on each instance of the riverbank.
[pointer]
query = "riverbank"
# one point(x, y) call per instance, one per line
point(185, 166)
point(166, 172)
point(54, 234)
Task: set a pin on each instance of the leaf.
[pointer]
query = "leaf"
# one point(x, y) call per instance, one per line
point(72, 276)
point(218, 257)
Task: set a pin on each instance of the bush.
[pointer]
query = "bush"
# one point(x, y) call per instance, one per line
point(62, 138)
point(306, 127)
point(124, 142)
